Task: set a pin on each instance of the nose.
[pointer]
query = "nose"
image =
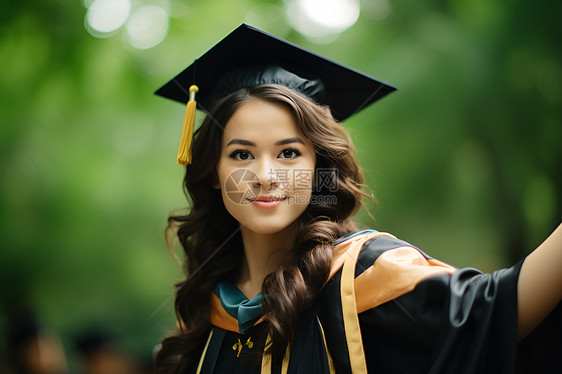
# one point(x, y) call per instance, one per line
point(266, 176)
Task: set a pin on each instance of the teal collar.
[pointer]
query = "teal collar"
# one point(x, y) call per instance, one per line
point(238, 306)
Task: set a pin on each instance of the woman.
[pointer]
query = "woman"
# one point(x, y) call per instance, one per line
point(279, 279)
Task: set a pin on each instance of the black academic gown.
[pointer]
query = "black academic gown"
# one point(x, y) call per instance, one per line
point(390, 308)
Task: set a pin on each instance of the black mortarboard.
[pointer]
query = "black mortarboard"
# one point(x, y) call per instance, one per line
point(248, 57)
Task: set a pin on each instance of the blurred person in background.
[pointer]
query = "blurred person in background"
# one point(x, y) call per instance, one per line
point(100, 353)
point(32, 349)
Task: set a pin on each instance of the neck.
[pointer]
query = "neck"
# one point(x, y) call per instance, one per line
point(264, 253)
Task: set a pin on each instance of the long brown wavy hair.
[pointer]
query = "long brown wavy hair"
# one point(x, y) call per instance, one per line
point(212, 242)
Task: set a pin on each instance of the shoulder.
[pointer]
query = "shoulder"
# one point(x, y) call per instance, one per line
point(387, 250)
point(375, 245)
point(371, 246)
point(385, 266)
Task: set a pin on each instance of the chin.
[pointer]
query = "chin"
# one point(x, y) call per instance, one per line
point(266, 221)
point(268, 226)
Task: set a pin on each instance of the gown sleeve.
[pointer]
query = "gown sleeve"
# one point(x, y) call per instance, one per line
point(419, 315)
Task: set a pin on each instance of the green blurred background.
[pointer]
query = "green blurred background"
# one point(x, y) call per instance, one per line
point(465, 159)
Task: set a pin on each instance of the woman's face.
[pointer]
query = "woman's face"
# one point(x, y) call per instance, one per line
point(266, 167)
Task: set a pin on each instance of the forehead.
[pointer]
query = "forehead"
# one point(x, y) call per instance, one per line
point(261, 121)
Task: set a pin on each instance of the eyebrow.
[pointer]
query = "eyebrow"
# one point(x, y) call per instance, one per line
point(290, 140)
point(242, 142)
point(252, 144)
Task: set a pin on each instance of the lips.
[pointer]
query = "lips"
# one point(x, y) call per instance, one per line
point(267, 202)
point(268, 199)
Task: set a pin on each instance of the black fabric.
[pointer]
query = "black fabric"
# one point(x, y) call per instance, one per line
point(307, 353)
point(460, 323)
point(311, 87)
point(540, 351)
point(249, 361)
point(346, 91)
point(465, 322)
point(401, 335)
point(213, 351)
point(480, 333)
point(330, 314)
point(347, 236)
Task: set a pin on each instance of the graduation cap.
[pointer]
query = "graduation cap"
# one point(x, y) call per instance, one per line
point(249, 57)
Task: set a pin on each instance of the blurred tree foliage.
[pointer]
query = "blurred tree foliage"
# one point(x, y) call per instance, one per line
point(465, 159)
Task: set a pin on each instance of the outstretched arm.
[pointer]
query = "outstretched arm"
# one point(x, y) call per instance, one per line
point(539, 288)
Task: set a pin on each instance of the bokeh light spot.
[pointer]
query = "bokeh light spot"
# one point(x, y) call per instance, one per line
point(320, 19)
point(147, 27)
point(106, 16)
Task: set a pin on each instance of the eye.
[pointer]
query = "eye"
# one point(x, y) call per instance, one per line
point(289, 153)
point(241, 155)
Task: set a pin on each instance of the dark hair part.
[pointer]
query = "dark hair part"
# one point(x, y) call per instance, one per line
point(206, 230)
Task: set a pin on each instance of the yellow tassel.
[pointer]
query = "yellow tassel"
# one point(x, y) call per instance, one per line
point(184, 153)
